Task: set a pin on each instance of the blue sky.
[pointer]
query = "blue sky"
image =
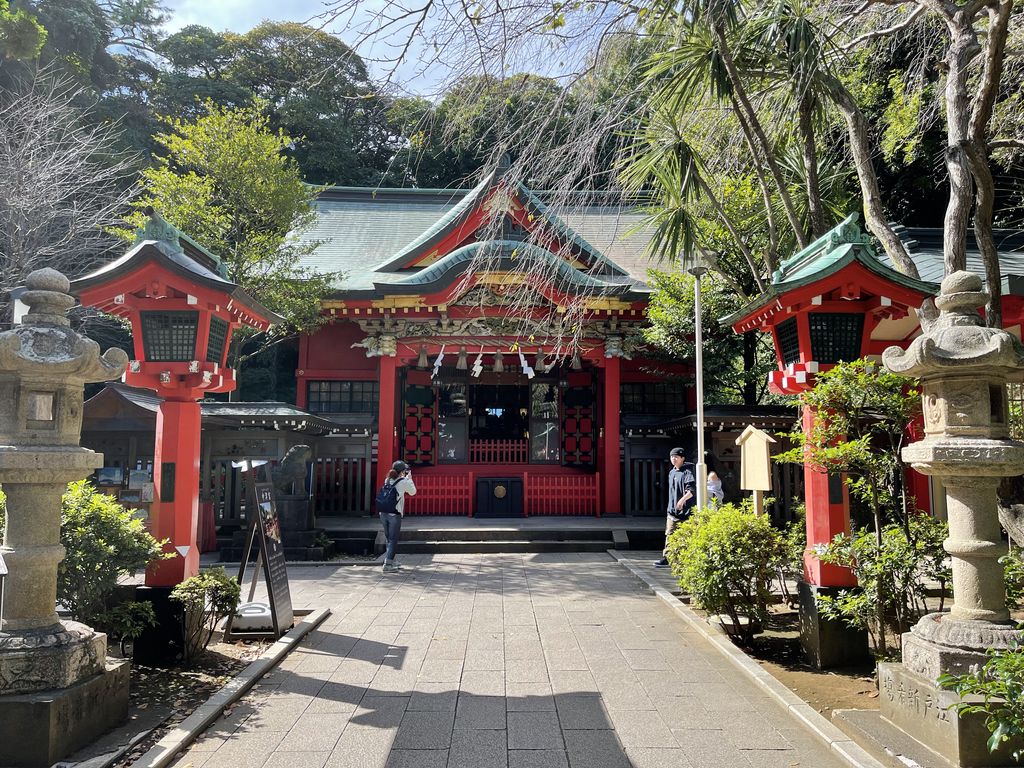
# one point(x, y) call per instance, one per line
point(238, 15)
point(243, 15)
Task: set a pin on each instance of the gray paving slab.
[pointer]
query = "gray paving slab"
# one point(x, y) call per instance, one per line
point(559, 660)
point(478, 749)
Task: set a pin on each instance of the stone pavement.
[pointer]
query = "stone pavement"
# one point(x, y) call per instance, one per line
point(501, 661)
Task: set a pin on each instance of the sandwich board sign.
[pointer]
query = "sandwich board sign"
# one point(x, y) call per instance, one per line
point(264, 534)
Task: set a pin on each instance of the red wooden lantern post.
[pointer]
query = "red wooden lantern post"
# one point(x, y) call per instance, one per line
point(183, 311)
point(833, 301)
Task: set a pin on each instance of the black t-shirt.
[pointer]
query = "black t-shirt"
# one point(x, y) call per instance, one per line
point(679, 482)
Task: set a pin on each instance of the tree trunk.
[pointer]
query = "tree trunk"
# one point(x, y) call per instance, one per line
point(750, 339)
point(810, 157)
point(963, 48)
point(860, 146)
point(978, 156)
point(771, 256)
point(762, 138)
point(984, 201)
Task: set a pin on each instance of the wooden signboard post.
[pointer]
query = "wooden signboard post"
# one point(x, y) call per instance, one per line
point(265, 532)
point(756, 464)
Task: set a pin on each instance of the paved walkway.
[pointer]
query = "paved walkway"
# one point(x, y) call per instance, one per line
point(501, 661)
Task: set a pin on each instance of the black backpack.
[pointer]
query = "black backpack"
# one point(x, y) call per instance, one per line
point(387, 499)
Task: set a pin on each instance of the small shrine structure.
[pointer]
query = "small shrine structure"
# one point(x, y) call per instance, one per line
point(833, 301)
point(183, 311)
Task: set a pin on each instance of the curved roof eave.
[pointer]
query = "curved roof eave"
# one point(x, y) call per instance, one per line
point(509, 257)
point(177, 262)
point(458, 213)
point(854, 253)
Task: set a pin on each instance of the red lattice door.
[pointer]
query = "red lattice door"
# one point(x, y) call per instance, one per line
point(579, 443)
point(419, 419)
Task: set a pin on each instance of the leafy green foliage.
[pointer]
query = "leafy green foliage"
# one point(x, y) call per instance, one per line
point(207, 597)
point(1000, 684)
point(227, 181)
point(863, 417)
point(735, 366)
point(128, 620)
point(891, 575)
point(314, 86)
point(1013, 572)
point(103, 541)
point(21, 34)
point(726, 558)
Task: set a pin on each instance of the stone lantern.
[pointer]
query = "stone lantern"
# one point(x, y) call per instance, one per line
point(964, 367)
point(57, 690)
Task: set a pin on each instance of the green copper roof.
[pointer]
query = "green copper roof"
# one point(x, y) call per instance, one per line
point(449, 221)
point(826, 256)
point(506, 254)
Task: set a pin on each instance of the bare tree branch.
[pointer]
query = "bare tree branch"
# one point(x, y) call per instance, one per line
point(61, 187)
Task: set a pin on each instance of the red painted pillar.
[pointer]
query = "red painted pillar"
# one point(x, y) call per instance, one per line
point(610, 468)
point(828, 513)
point(302, 389)
point(176, 491)
point(386, 418)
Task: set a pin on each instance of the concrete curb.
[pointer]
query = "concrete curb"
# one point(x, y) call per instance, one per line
point(165, 750)
point(804, 713)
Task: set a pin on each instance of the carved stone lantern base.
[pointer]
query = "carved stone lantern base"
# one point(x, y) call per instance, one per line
point(56, 657)
point(916, 704)
point(38, 729)
point(911, 699)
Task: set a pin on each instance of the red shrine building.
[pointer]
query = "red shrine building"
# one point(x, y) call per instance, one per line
point(447, 341)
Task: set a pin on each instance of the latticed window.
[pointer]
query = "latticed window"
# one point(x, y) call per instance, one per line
point(662, 397)
point(789, 341)
point(835, 336)
point(1015, 395)
point(343, 396)
point(218, 336)
point(169, 336)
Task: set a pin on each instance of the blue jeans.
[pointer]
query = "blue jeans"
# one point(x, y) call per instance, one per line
point(392, 525)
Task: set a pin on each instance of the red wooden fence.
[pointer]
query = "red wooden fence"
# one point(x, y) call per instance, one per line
point(440, 495)
point(563, 494)
point(544, 494)
point(499, 451)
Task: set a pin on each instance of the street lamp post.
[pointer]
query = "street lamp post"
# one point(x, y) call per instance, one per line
point(698, 270)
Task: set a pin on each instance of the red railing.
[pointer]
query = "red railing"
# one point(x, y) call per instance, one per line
point(440, 495)
point(499, 451)
point(563, 494)
point(543, 494)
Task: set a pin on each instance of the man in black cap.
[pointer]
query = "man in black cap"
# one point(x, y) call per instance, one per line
point(682, 497)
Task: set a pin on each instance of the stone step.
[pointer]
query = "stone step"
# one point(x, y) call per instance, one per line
point(497, 546)
point(884, 741)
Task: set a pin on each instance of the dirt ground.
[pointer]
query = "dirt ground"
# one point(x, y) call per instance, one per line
point(778, 650)
point(159, 699)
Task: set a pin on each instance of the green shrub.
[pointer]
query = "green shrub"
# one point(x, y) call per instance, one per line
point(3, 515)
point(207, 597)
point(125, 622)
point(1000, 683)
point(103, 541)
point(726, 558)
point(891, 577)
point(1013, 569)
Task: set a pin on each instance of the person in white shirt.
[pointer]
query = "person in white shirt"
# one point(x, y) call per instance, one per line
point(391, 508)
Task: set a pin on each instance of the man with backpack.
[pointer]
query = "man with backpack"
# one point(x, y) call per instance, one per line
point(391, 508)
point(682, 497)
